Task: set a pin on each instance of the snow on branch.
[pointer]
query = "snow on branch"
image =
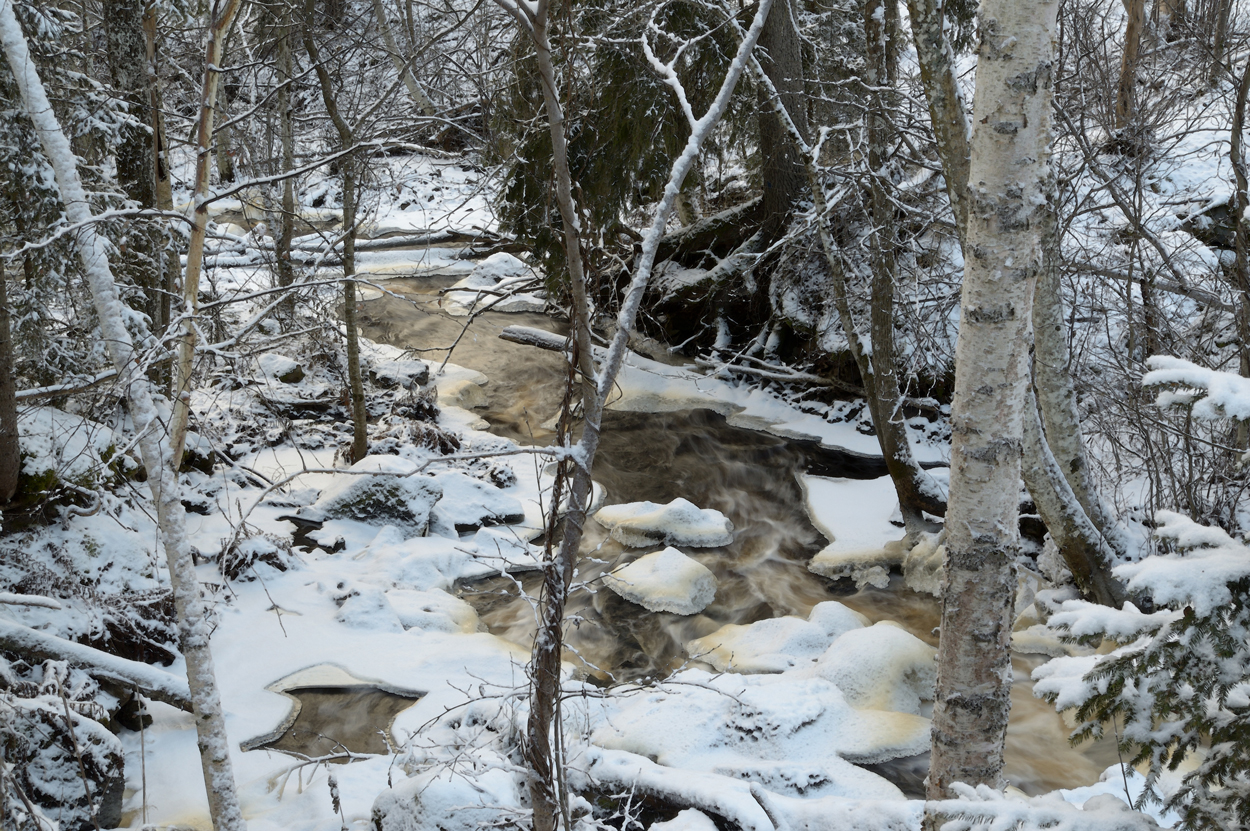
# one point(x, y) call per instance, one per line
point(1210, 394)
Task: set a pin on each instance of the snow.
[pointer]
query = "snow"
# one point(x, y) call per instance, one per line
point(392, 495)
point(665, 581)
point(855, 517)
point(776, 644)
point(497, 275)
point(1211, 393)
point(881, 667)
point(680, 522)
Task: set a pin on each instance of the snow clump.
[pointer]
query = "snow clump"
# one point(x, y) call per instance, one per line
point(680, 522)
point(665, 581)
point(777, 644)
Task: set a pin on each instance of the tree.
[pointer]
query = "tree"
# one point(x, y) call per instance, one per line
point(193, 630)
point(1009, 183)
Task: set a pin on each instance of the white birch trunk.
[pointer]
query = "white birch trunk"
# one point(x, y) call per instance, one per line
point(193, 631)
point(1009, 180)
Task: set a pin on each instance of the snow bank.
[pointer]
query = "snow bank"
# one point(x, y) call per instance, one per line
point(665, 581)
point(448, 800)
point(498, 275)
point(680, 522)
point(777, 644)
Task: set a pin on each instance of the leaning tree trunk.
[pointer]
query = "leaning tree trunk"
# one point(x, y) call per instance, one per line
point(10, 451)
point(781, 162)
point(193, 628)
point(946, 104)
point(1010, 181)
point(347, 138)
point(418, 96)
point(916, 492)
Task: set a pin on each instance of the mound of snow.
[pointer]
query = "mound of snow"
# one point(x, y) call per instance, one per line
point(855, 517)
point(497, 274)
point(680, 522)
point(392, 496)
point(447, 800)
point(881, 667)
point(777, 644)
point(434, 611)
point(469, 503)
point(399, 373)
point(73, 448)
point(665, 581)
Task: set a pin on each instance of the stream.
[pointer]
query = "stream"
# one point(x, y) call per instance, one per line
point(752, 477)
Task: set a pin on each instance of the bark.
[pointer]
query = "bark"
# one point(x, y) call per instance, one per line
point(347, 138)
point(545, 790)
point(1126, 88)
point(1083, 548)
point(133, 79)
point(946, 104)
point(1010, 178)
point(286, 126)
point(418, 96)
point(193, 628)
point(1057, 402)
point(781, 162)
point(1241, 246)
point(172, 265)
point(881, 379)
point(1219, 37)
point(223, 12)
point(10, 451)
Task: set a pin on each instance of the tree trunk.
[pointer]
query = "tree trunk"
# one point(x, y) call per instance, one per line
point(781, 164)
point(223, 12)
point(1241, 263)
point(946, 103)
point(163, 184)
point(193, 629)
point(286, 126)
point(1010, 180)
point(347, 138)
point(881, 381)
point(133, 78)
point(1126, 89)
point(10, 451)
point(418, 96)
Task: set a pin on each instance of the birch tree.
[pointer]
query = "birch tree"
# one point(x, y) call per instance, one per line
point(193, 628)
point(547, 796)
point(1009, 182)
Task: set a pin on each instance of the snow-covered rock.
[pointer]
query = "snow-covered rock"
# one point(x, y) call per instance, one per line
point(499, 273)
point(665, 581)
point(777, 644)
point(399, 373)
point(444, 799)
point(469, 503)
point(280, 368)
point(391, 496)
point(433, 611)
point(881, 667)
point(680, 522)
point(369, 608)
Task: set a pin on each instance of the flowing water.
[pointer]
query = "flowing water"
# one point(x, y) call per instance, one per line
point(751, 477)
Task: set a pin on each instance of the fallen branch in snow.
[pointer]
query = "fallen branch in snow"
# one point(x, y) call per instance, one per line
point(156, 684)
point(11, 599)
point(57, 390)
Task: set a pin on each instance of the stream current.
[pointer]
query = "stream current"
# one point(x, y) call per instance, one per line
point(751, 477)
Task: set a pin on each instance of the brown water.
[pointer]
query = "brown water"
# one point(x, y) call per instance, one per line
point(749, 476)
point(332, 720)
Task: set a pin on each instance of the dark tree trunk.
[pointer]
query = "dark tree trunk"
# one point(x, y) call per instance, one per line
point(783, 173)
point(10, 453)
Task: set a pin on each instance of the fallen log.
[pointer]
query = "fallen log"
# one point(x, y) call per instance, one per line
point(154, 683)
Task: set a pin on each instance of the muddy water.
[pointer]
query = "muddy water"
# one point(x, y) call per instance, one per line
point(749, 476)
point(332, 720)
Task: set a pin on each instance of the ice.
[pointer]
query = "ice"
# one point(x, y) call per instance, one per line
point(665, 581)
point(881, 667)
point(777, 644)
point(854, 515)
point(680, 522)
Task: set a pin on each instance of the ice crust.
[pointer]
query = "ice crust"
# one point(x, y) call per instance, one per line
point(665, 581)
point(680, 522)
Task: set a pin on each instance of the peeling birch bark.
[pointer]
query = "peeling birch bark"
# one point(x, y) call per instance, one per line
point(1009, 180)
point(193, 629)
